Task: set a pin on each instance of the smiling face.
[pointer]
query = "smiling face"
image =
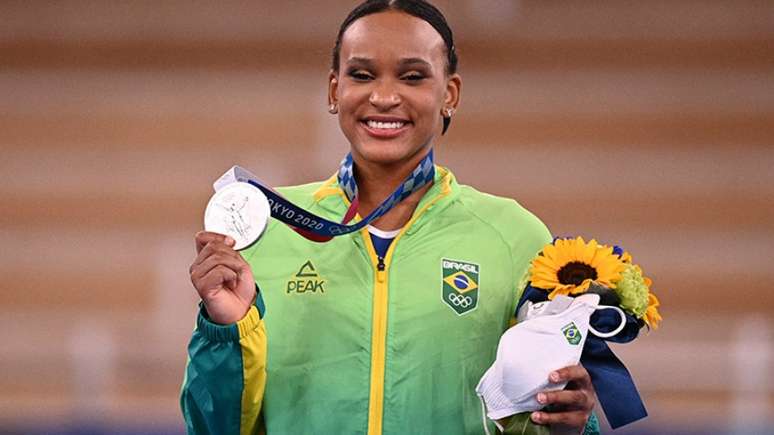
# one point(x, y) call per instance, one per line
point(392, 88)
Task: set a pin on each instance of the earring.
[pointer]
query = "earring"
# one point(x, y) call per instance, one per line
point(333, 108)
point(448, 112)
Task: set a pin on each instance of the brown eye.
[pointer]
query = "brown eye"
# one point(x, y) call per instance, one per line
point(413, 77)
point(360, 75)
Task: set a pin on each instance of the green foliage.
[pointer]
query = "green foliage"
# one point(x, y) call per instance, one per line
point(633, 291)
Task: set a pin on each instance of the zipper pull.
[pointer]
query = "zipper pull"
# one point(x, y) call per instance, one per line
point(380, 270)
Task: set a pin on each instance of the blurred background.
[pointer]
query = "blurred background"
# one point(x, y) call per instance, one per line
point(647, 124)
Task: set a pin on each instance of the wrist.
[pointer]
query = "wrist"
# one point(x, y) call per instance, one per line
point(227, 333)
point(221, 317)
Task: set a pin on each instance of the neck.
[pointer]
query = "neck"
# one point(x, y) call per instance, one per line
point(375, 182)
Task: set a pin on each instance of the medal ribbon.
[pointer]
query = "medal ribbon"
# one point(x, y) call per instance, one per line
point(319, 229)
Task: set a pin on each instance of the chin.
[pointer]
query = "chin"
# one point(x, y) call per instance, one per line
point(386, 153)
point(386, 146)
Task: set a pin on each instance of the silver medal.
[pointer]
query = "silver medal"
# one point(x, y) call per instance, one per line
point(239, 210)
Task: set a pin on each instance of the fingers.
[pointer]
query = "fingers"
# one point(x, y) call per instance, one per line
point(576, 374)
point(212, 248)
point(567, 399)
point(216, 244)
point(218, 258)
point(576, 419)
point(574, 405)
point(217, 264)
point(217, 277)
point(205, 237)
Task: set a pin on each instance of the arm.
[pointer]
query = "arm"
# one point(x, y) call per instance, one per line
point(226, 371)
point(225, 376)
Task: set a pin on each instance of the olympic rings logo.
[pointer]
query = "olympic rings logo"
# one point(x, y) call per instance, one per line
point(459, 300)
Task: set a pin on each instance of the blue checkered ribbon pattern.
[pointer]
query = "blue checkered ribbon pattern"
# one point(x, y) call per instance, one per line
point(294, 216)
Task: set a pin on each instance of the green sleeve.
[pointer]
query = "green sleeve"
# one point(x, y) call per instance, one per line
point(225, 375)
point(521, 424)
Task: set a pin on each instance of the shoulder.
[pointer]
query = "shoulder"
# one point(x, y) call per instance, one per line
point(518, 227)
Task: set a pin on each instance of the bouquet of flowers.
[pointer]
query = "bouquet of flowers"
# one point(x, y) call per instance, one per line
point(571, 268)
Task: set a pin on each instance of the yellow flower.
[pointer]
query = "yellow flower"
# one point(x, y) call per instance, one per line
point(568, 267)
point(652, 317)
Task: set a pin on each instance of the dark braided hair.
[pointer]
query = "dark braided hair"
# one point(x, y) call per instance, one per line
point(418, 8)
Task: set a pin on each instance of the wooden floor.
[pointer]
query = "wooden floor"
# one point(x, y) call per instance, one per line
point(649, 124)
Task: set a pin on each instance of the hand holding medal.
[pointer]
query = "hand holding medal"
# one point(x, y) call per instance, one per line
point(235, 218)
point(222, 278)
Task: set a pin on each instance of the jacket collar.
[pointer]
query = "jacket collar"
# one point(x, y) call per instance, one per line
point(444, 190)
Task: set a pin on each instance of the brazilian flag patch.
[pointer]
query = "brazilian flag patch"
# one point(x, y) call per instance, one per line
point(571, 333)
point(460, 285)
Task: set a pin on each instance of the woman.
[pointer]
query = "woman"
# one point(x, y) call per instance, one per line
point(360, 339)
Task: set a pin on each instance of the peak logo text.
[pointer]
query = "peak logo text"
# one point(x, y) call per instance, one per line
point(306, 280)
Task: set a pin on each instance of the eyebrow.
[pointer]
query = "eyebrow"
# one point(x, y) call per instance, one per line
point(368, 63)
point(405, 61)
point(415, 60)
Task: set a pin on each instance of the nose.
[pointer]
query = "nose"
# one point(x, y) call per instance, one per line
point(384, 97)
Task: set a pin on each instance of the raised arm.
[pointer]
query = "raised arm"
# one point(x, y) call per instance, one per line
point(226, 371)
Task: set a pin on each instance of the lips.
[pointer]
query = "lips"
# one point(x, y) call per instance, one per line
point(385, 127)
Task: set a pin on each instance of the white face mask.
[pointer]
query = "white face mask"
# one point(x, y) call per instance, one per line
point(550, 338)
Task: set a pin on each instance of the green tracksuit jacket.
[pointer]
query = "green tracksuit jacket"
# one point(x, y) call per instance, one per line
point(355, 344)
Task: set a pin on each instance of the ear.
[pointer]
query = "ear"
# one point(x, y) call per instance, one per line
point(333, 87)
point(453, 91)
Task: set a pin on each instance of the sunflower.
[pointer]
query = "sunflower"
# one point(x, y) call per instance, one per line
point(652, 317)
point(568, 267)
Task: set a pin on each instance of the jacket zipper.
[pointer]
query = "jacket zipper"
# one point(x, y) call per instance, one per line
point(378, 340)
point(379, 319)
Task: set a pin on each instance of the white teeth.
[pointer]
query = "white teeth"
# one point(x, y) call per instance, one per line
point(386, 125)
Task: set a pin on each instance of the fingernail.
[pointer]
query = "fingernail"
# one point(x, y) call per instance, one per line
point(230, 241)
point(535, 417)
point(541, 398)
point(554, 376)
